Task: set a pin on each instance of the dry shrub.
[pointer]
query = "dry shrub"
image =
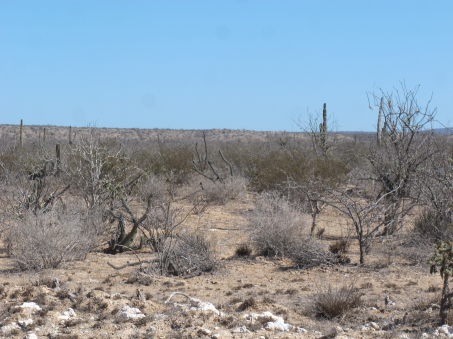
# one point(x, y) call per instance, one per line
point(220, 193)
point(335, 302)
point(275, 226)
point(194, 253)
point(276, 230)
point(243, 251)
point(247, 304)
point(191, 254)
point(45, 240)
point(416, 249)
point(307, 252)
point(339, 246)
point(156, 184)
point(434, 225)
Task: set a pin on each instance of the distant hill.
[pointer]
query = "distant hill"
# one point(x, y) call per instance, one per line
point(33, 133)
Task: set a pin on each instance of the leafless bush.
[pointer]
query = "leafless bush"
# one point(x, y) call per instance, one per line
point(178, 250)
point(221, 193)
point(335, 302)
point(307, 252)
point(339, 246)
point(434, 225)
point(275, 225)
point(45, 240)
point(416, 249)
point(155, 184)
point(194, 253)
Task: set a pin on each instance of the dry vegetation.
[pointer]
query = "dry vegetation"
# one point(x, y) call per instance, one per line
point(328, 234)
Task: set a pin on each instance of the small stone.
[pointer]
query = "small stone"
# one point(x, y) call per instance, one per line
point(24, 323)
point(204, 331)
point(160, 316)
point(241, 329)
point(270, 326)
point(31, 336)
point(31, 306)
point(301, 330)
point(374, 325)
point(130, 313)
point(7, 329)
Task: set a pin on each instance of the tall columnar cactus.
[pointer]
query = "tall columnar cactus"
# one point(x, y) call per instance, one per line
point(70, 135)
point(44, 136)
point(20, 132)
point(379, 123)
point(323, 129)
point(442, 259)
point(58, 162)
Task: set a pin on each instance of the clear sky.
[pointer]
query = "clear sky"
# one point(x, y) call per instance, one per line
point(237, 64)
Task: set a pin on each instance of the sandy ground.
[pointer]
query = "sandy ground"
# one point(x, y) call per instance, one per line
point(96, 292)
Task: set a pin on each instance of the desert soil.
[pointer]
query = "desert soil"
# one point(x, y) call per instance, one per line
point(96, 292)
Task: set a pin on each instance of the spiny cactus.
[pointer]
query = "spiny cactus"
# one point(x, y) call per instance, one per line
point(379, 123)
point(21, 132)
point(58, 162)
point(442, 261)
point(323, 130)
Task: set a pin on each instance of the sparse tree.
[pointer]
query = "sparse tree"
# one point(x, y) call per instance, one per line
point(407, 143)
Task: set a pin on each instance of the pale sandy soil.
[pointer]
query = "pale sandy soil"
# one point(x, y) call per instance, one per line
point(274, 285)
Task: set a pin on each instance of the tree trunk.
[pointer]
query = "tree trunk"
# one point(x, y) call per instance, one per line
point(445, 300)
point(362, 251)
point(314, 229)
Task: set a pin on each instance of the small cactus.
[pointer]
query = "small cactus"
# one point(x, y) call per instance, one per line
point(442, 261)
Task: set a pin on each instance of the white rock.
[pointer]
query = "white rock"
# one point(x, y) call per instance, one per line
point(24, 323)
point(301, 330)
point(160, 316)
point(205, 308)
point(280, 325)
point(31, 306)
point(7, 329)
point(264, 315)
point(270, 326)
point(241, 329)
point(445, 329)
point(374, 325)
point(130, 313)
point(31, 336)
point(67, 315)
point(204, 331)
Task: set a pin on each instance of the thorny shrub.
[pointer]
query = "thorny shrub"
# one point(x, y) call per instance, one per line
point(277, 230)
point(335, 302)
point(45, 240)
point(307, 252)
point(217, 193)
point(275, 226)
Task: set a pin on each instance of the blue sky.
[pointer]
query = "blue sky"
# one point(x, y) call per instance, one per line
point(238, 64)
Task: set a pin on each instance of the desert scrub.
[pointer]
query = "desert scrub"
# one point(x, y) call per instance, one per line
point(335, 302)
point(275, 226)
point(217, 193)
point(45, 240)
